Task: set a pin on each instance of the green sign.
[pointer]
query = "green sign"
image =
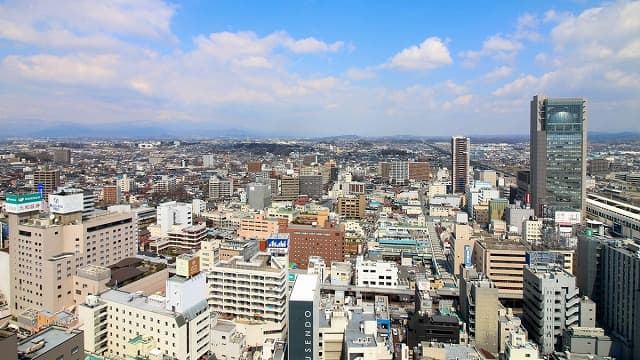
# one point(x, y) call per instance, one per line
point(24, 198)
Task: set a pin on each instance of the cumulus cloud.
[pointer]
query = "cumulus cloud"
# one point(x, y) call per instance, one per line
point(360, 74)
point(497, 47)
point(499, 72)
point(430, 54)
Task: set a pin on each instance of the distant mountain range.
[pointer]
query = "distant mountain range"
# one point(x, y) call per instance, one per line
point(31, 128)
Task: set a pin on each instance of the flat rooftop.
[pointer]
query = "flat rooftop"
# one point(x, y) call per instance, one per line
point(304, 287)
point(52, 337)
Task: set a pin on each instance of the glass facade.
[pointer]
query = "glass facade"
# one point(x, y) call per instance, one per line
point(563, 123)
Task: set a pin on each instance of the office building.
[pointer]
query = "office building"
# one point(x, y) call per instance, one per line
point(220, 188)
point(608, 271)
point(551, 304)
point(254, 166)
point(208, 161)
point(419, 170)
point(258, 196)
point(311, 185)
point(46, 251)
point(46, 182)
point(253, 292)
point(314, 240)
point(173, 213)
point(502, 262)
point(381, 274)
point(304, 319)
point(259, 226)
point(352, 206)
point(460, 159)
point(558, 153)
point(399, 172)
point(289, 189)
point(479, 308)
point(62, 156)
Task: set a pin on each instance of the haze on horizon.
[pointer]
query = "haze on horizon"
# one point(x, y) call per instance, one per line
point(316, 68)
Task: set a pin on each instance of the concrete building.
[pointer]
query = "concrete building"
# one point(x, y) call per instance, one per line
point(173, 213)
point(111, 195)
point(460, 158)
point(253, 292)
point(551, 304)
point(220, 188)
point(122, 324)
point(62, 156)
point(399, 172)
point(303, 318)
point(181, 238)
point(419, 170)
point(46, 252)
point(309, 240)
point(254, 166)
point(384, 169)
point(208, 161)
point(46, 182)
point(311, 185)
point(532, 232)
point(258, 196)
point(623, 219)
point(502, 262)
point(126, 184)
point(53, 343)
point(516, 216)
point(90, 280)
point(462, 245)
point(518, 348)
point(608, 272)
point(379, 274)
point(289, 189)
point(558, 153)
point(352, 207)
point(479, 308)
point(259, 226)
point(488, 176)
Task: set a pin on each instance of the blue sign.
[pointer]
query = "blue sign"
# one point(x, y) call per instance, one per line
point(277, 243)
point(41, 188)
point(467, 255)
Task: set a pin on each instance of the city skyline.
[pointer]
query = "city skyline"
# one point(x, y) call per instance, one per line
point(314, 69)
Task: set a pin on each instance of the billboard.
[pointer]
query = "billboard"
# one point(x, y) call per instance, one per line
point(66, 204)
point(277, 244)
point(467, 256)
point(567, 218)
point(187, 266)
point(17, 204)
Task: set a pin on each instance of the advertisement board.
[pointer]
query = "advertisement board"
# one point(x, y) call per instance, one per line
point(21, 203)
point(66, 204)
point(187, 266)
point(467, 255)
point(567, 218)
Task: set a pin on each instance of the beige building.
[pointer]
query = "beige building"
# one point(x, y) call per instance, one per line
point(253, 293)
point(47, 251)
point(90, 280)
point(352, 207)
point(258, 227)
point(502, 262)
point(532, 231)
point(460, 239)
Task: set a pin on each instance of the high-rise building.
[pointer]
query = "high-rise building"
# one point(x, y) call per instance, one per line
point(608, 271)
point(111, 194)
point(313, 240)
point(303, 317)
point(503, 262)
point(551, 304)
point(289, 188)
point(399, 172)
point(208, 161)
point(47, 251)
point(220, 188)
point(311, 185)
point(352, 206)
point(258, 196)
point(46, 182)
point(479, 308)
point(62, 156)
point(419, 170)
point(558, 153)
point(460, 158)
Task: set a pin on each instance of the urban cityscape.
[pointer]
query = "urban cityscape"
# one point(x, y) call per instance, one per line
point(317, 218)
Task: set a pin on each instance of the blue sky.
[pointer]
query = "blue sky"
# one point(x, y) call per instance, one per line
point(318, 67)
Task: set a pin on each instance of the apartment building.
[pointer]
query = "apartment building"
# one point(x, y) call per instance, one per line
point(253, 292)
point(352, 206)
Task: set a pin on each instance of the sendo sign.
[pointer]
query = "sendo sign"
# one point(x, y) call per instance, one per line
point(23, 202)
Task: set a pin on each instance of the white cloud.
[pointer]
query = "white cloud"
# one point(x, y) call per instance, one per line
point(312, 45)
point(360, 74)
point(499, 72)
point(72, 69)
point(430, 54)
point(84, 24)
point(497, 47)
point(527, 28)
point(541, 58)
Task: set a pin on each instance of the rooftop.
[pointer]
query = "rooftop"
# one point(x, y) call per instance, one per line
point(50, 338)
point(304, 287)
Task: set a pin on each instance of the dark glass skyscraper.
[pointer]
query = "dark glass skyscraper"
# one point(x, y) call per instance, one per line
point(558, 153)
point(460, 157)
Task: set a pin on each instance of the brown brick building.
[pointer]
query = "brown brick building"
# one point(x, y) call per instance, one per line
point(309, 240)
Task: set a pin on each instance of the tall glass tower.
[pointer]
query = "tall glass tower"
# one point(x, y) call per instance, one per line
point(558, 153)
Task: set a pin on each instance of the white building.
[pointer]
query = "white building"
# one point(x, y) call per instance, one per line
point(376, 273)
point(173, 213)
point(253, 292)
point(122, 324)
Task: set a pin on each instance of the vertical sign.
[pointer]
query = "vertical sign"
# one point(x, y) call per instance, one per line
point(467, 255)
